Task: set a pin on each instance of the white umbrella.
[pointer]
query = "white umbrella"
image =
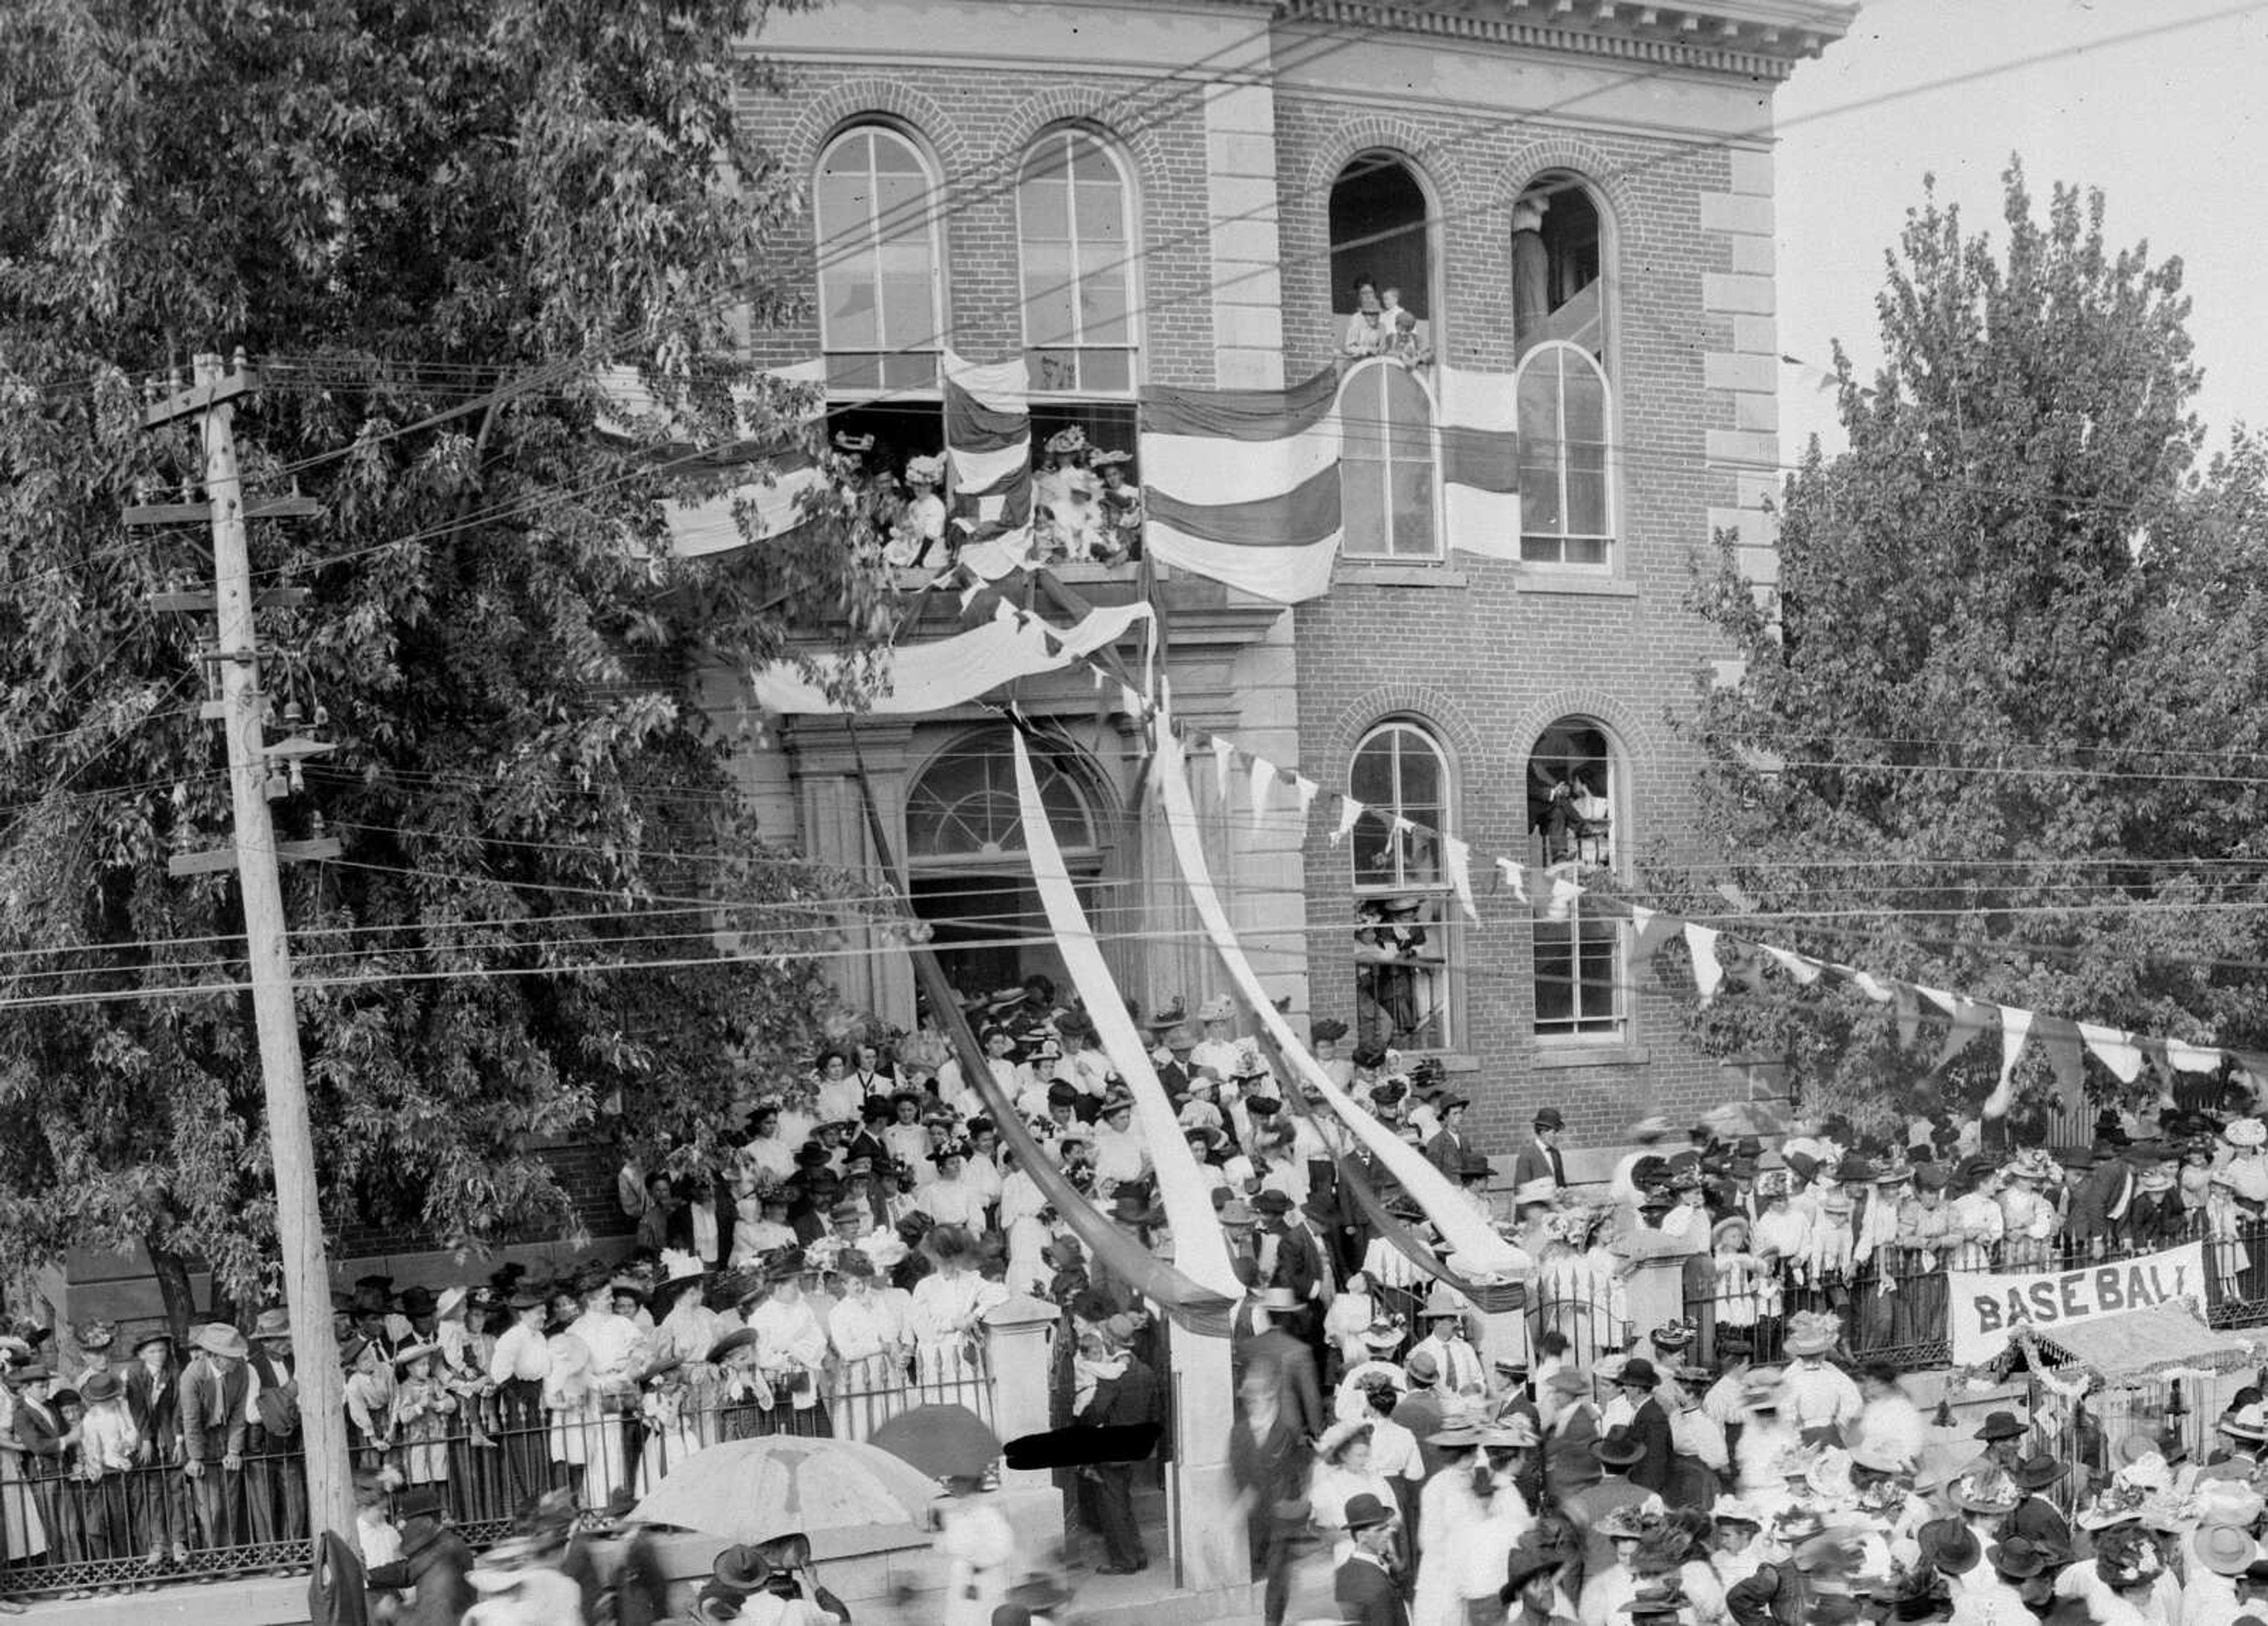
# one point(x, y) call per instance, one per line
point(756, 1489)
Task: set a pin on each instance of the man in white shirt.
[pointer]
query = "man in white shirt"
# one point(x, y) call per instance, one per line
point(1448, 1340)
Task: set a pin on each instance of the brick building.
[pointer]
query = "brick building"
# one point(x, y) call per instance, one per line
point(1577, 198)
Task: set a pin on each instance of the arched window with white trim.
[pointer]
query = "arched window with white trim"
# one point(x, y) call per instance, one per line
point(875, 208)
point(1574, 809)
point(1405, 926)
point(1075, 231)
point(1566, 497)
point(1387, 491)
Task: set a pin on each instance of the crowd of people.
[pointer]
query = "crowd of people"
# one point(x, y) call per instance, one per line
point(1808, 1492)
point(838, 1262)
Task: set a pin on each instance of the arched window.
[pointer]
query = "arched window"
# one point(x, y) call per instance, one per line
point(1381, 253)
point(1075, 228)
point(970, 880)
point(880, 316)
point(1565, 494)
point(1574, 806)
point(1404, 937)
point(1386, 464)
point(1558, 267)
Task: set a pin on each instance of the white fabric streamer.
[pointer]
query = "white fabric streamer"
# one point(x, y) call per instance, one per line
point(1200, 1248)
point(1457, 859)
point(1476, 1248)
point(1351, 811)
point(2015, 1026)
point(1263, 775)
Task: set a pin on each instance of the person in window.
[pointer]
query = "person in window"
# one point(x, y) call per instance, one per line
point(918, 537)
point(1121, 502)
point(1406, 344)
point(1051, 492)
point(1389, 940)
point(1367, 329)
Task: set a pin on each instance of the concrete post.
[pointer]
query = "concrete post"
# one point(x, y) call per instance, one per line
point(1209, 1533)
point(1656, 1286)
point(1021, 1348)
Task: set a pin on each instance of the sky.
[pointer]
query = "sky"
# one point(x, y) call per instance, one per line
point(2168, 125)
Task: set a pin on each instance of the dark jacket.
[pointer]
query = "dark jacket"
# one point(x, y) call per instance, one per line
point(1300, 1395)
point(209, 1432)
point(1650, 1428)
point(1570, 1460)
point(39, 1429)
point(1274, 1469)
point(156, 1409)
point(1537, 1162)
point(436, 1567)
point(2036, 1517)
point(1420, 1412)
point(1127, 1400)
point(1366, 1595)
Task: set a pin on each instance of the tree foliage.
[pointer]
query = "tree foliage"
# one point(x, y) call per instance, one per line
point(434, 224)
point(1988, 734)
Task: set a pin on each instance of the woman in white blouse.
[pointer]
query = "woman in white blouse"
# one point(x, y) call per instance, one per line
point(949, 1316)
point(870, 1355)
point(953, 1198)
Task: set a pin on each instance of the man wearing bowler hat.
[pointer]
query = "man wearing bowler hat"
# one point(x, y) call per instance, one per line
point(214, 1389)
point(1540, 1158)
point(1365, 1590)
point(1649, 1424)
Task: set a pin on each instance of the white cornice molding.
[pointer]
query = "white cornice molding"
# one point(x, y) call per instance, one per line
point(1759, 38)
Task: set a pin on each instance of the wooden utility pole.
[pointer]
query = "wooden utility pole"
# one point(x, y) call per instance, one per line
point(255, 773)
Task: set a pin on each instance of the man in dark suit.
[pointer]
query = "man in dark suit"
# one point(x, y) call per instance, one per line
point(1363, 1588)
point(1288, 1363)
point(1128, 1399)
point(276, 1476)
point(434, 1563)
point(2036, 1516)
point(153, 1396)
point(1268, 1461)
point(1587, 1510)
point(1571, 1434)
point(1649, 1424)
point(1420, 1410)
point(214, 1388)
point(1449, 1149)
point(2095, 1221)
point(1540, 1158)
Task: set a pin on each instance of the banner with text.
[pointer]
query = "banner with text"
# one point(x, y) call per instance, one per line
point(1986, 1308)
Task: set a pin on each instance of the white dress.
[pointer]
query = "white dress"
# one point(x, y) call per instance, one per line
point(869, 1381)
point(946, 1323)
point(1447, 1513)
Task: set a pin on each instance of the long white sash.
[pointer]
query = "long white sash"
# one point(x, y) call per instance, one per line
point(1200, 1248)
point(1475, 1248)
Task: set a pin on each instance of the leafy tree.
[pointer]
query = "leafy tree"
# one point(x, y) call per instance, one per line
point(1974, 745)
point(436, 224)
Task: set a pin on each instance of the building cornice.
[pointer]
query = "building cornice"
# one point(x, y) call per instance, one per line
point(1762, 39)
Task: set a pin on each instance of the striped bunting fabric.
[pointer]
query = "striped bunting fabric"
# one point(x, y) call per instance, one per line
point(1242, 486)
point(988, 443)
point(702, 527)
point(1480, 461)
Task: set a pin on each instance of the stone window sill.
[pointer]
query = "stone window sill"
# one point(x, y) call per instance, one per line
point(1552, 1054)
point(1361, 572)
point(1577, 585)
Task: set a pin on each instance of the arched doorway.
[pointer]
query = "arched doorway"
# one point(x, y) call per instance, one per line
point(969, 874)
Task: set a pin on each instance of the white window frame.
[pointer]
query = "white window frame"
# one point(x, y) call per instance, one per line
point(1559, 349)
point(830, 243)
point(1612, 1027)
point(1128, 267)
point(1440, 893)
point(1363, 429)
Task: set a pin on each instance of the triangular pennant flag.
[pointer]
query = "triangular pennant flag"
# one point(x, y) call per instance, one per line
point(2015, 1025)
point(1224, 760)
point(1708, 972)
point(1306, 791)
point(1514, 876)
point(1650, 929)
point(1350, 812)
point(2067, 1053)
point(1129, 700)
point(1802, 968)
point(1457, 859)
point(1867, 983)
point(1565, 891)
point(1969, 1016)
point(1263, 775)
point(2115, 1048)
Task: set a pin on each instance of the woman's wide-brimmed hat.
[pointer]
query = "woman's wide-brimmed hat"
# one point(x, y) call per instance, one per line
point(1813, 1332)
point(1985, 1491)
